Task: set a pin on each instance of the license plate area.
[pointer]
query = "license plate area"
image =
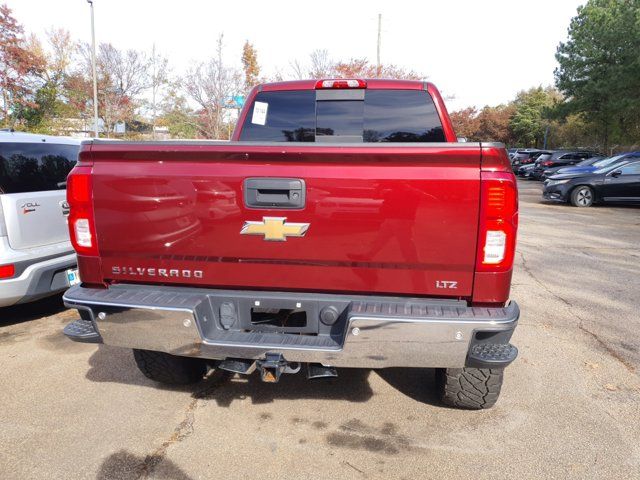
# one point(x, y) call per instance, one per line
point(234, 314)
point(72, 277)
point(281, 315)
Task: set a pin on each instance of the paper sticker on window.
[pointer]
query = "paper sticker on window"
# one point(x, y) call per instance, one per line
point(259, 113)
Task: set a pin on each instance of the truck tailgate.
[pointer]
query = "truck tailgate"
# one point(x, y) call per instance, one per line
point(384, 219)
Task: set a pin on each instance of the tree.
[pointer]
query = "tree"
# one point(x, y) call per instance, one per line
point(298, 71)
point(362, 68)
point(573, 130)
point(123, 76)
point(50, 107)
point(250, 66)
point(465, 123)
point(321, 64)
point(491, 124)
point(212, 85)
point(176, 115)
point(599, 67)
point(530, 119)
point(495, 124)
point(158, 80)
point(17, 65)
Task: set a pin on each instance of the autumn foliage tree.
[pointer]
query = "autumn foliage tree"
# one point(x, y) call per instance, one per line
point(466, 123)
point(362, 68)
point(521, 122)
point(250, 66)
point(17, 65)
point(321, 65)
point(490, 124)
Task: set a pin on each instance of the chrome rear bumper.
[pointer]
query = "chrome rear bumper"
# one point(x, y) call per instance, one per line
point(372, 332)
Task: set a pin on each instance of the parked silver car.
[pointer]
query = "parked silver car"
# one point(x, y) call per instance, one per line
point(36, 257)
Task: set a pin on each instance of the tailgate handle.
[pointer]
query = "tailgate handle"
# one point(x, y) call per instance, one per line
point(284, 193)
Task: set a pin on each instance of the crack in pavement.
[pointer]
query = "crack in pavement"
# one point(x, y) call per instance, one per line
point(580, 324)
point(182, 431)
point(355, 468)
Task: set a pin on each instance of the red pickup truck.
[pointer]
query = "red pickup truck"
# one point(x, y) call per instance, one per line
point(343, 226)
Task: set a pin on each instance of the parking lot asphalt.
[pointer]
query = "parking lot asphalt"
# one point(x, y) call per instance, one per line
point(570, 406)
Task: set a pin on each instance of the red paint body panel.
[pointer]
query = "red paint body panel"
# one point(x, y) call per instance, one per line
point(384, 220)
point(491, 288)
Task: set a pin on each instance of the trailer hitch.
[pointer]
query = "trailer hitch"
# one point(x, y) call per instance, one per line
point(273, 366)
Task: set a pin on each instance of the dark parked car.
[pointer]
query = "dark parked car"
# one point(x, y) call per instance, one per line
point(560, 158)
point(588, 165)
point(617, 182)
point(525, 170)
point(524, 157)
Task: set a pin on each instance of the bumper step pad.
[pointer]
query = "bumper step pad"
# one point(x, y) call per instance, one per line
point(82, 331)
point(491, 355)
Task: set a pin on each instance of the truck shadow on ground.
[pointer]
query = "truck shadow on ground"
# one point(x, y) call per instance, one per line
point(31, 311)
point(124, 465)
point(418, 384)
point(352, 385)
point(115, 364)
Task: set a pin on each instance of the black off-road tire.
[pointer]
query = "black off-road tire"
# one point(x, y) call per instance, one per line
point(582, 196)
point(470, 388)
point(170, 369)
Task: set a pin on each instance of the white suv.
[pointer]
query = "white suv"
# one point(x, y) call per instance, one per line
point(36, 257)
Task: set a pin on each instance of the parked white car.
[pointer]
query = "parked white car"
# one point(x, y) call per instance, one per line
point(36, 257)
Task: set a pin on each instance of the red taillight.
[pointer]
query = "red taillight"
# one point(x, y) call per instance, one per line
point(7, 271)
point(81, 220)
point(498, 222)
point(547, 163)
point(347, 83)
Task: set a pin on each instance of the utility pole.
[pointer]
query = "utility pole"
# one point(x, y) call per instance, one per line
point(153, 90)
point(379, 38)
point(93, 67)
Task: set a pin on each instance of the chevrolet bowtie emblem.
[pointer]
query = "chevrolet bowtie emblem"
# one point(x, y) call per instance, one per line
point(275, 229)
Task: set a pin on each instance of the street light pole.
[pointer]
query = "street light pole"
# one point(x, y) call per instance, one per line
point(93, 67)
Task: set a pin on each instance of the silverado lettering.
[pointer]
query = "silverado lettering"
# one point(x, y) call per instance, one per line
point(160, 272)
point(408, 262)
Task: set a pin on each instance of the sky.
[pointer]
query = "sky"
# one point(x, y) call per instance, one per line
point(476, 52)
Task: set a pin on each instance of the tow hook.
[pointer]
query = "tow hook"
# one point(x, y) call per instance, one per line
point(275, 365)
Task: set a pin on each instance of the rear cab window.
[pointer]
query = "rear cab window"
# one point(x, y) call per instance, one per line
point(35, 167)
point(343, 116)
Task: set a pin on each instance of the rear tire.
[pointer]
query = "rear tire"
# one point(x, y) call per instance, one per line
point(169, 369)
point(469, 388)
point(582, 196)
